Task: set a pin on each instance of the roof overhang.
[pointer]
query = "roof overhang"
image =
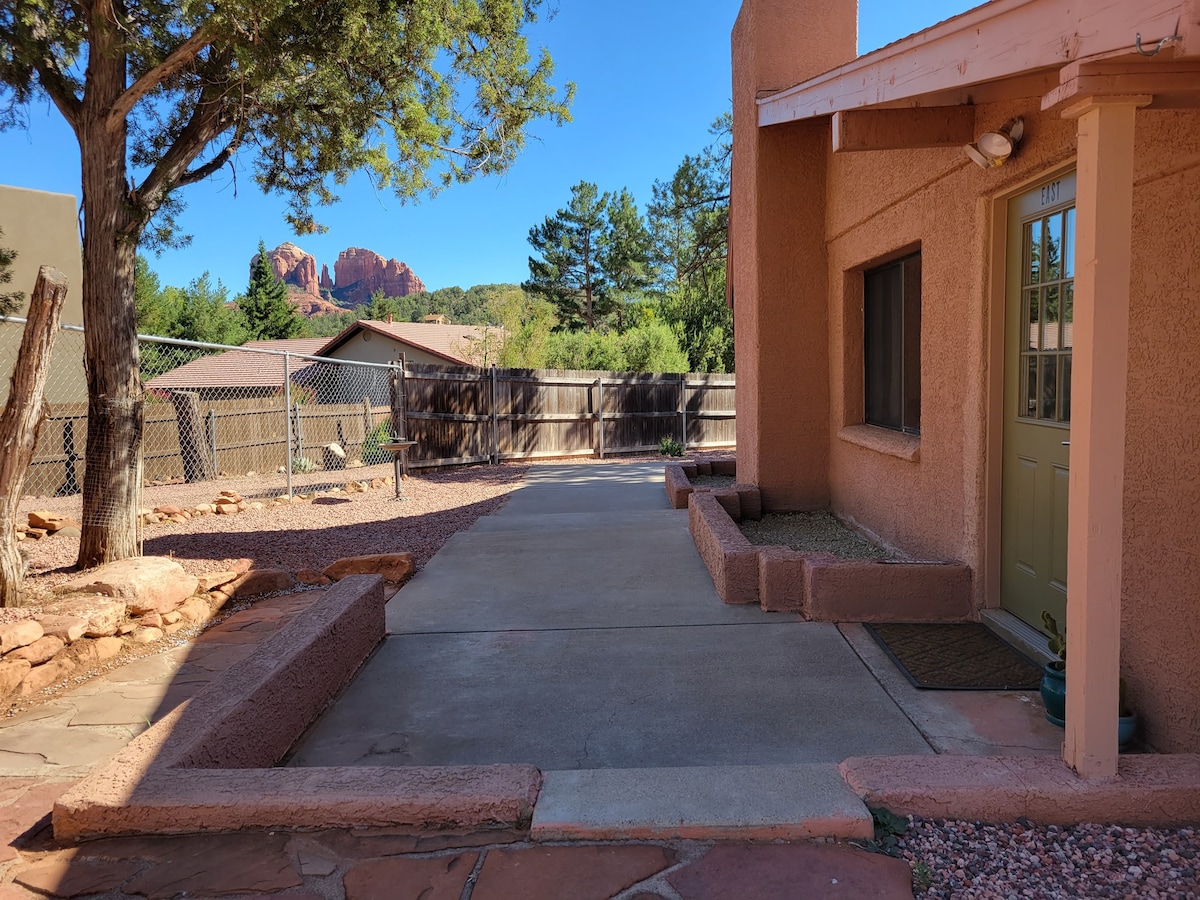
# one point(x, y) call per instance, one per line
point(1056, 50)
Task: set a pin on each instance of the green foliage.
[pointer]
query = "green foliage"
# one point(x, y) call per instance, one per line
point(302, 465)
point(1057, 642)
point(419, 94)
point(268, 314)
point(889, 828)
point(205, 314)
point(570, 246)
point(11, 300)
point(372, 453)
point(670, 447)
point(921, 875)
point(647, 348)
point(689, 220)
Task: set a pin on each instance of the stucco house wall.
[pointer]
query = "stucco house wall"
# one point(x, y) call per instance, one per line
point(382, 349)
point(805, 224)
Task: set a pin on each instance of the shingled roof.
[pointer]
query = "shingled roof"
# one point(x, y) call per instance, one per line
point(239, 368)
point(445, 341)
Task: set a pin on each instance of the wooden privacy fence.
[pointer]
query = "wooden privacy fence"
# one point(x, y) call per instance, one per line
point(456, 416)
point(464, 415)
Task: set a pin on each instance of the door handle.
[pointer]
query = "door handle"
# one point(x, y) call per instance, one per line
point(1066, 443)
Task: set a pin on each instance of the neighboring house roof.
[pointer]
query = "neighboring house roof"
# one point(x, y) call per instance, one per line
point(239, 368)
point(445, 341)
point(1049, 44)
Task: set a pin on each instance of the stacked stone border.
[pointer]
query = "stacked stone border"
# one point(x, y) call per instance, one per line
point(210, 765)
point(819, 586)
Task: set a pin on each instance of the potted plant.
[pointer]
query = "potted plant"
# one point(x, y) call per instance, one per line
point(1054, 686)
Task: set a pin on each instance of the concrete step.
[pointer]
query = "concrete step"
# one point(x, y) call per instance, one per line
point(700, 803)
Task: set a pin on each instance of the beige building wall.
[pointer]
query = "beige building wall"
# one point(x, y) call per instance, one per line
point(381, 349)
point(43, 228)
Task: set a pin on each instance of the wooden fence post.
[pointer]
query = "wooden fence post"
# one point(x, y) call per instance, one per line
point(600, 413)
point(683, 410)
point(70, 484)
point(193, 441)
point(22, 418)
point(495, 421)
point(212, 436)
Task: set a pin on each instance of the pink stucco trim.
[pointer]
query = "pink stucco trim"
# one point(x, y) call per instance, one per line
point(1147, 790)
point(819, 586)
point(208, 765)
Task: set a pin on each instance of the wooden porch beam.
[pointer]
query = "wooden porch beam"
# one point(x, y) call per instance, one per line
point(1095, 531)
point(999, 40)
point(903, 129)
point(1171, 85)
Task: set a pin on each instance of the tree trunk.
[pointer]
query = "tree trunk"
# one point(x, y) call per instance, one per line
point(22, 418)
point(113, 470)
point(193, 438)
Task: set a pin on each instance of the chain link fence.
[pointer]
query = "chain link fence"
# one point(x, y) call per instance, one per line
point(283, 422)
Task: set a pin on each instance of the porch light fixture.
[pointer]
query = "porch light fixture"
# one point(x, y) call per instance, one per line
point(995, 147)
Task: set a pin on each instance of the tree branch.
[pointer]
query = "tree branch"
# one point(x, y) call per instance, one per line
point(174, 61)
point(59, 89)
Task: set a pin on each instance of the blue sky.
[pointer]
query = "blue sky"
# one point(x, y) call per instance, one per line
point(651, 77)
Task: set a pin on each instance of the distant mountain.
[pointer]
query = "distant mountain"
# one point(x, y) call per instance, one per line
point(358, 273)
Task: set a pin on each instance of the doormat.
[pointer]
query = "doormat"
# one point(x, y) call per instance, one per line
point(956, 657)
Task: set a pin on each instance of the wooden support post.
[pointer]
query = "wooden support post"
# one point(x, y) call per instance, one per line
point(398, 405)
point(22, 418)
point(1095, 539)
point(194, 449)
point(212, 437)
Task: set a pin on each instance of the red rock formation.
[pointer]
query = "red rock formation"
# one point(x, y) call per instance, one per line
point(358, 273)
point(326, 281)
point(295, 267)
point(310, 306)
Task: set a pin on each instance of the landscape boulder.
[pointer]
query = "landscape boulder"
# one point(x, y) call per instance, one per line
point(145, 583)
point(261, 581)
point(49, 521)
point(12, 673)
point(19, 634)
point(40, 651)
point(41, 677)
point(65, 628)
point(392, 566)
point(102, 615)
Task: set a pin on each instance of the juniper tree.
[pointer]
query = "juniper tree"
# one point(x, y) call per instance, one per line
point(268, 314)
point(164, 93)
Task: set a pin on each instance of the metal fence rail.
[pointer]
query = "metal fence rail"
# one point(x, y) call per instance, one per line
point(213, 411)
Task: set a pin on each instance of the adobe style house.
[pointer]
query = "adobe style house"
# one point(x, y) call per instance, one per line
point(994, 363)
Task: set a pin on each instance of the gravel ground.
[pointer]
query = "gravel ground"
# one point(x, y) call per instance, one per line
point(810, 531)
point(307, 535)
point(713, 481)
point(969, 860)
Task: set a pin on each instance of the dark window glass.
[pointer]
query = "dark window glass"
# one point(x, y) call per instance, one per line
point(892, 345)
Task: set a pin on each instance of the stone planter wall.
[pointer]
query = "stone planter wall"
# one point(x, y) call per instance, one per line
point(679, 475)
point(819, 586)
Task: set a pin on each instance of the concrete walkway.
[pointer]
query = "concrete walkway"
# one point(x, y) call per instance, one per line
point(578, 630)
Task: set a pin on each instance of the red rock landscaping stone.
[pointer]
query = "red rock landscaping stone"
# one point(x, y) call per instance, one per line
point(401, 878)
point(71, 878)
point(785, 871)
point(221, 864)
point(581, 873)
point(261, 581)
point(392, 566)
point(145, 583)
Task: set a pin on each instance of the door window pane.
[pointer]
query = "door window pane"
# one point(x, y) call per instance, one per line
point(1033, 317)
point(1068, 340)
point(1065, 388)
point(1049, 388)
point(1052, 260)
point(1047, 317)
point(1050, 297)
point(1069, 245)
point(1033, 252)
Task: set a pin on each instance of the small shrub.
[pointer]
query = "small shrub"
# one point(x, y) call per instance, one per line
point(372, 453)
point(303, 465)
point(670, 447)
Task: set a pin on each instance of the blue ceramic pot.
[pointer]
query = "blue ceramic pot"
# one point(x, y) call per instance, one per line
point(1054, 693)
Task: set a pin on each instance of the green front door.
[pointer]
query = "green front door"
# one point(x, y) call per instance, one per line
point(1037, 400)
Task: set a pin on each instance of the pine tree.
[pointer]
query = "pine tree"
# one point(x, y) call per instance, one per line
point(625, 254)
point(570, 246)
point(268, 314)
point(11, 300)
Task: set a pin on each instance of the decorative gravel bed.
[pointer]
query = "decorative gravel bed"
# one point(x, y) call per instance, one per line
point(968, 860)
point(713, 481)
point(810, 531)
